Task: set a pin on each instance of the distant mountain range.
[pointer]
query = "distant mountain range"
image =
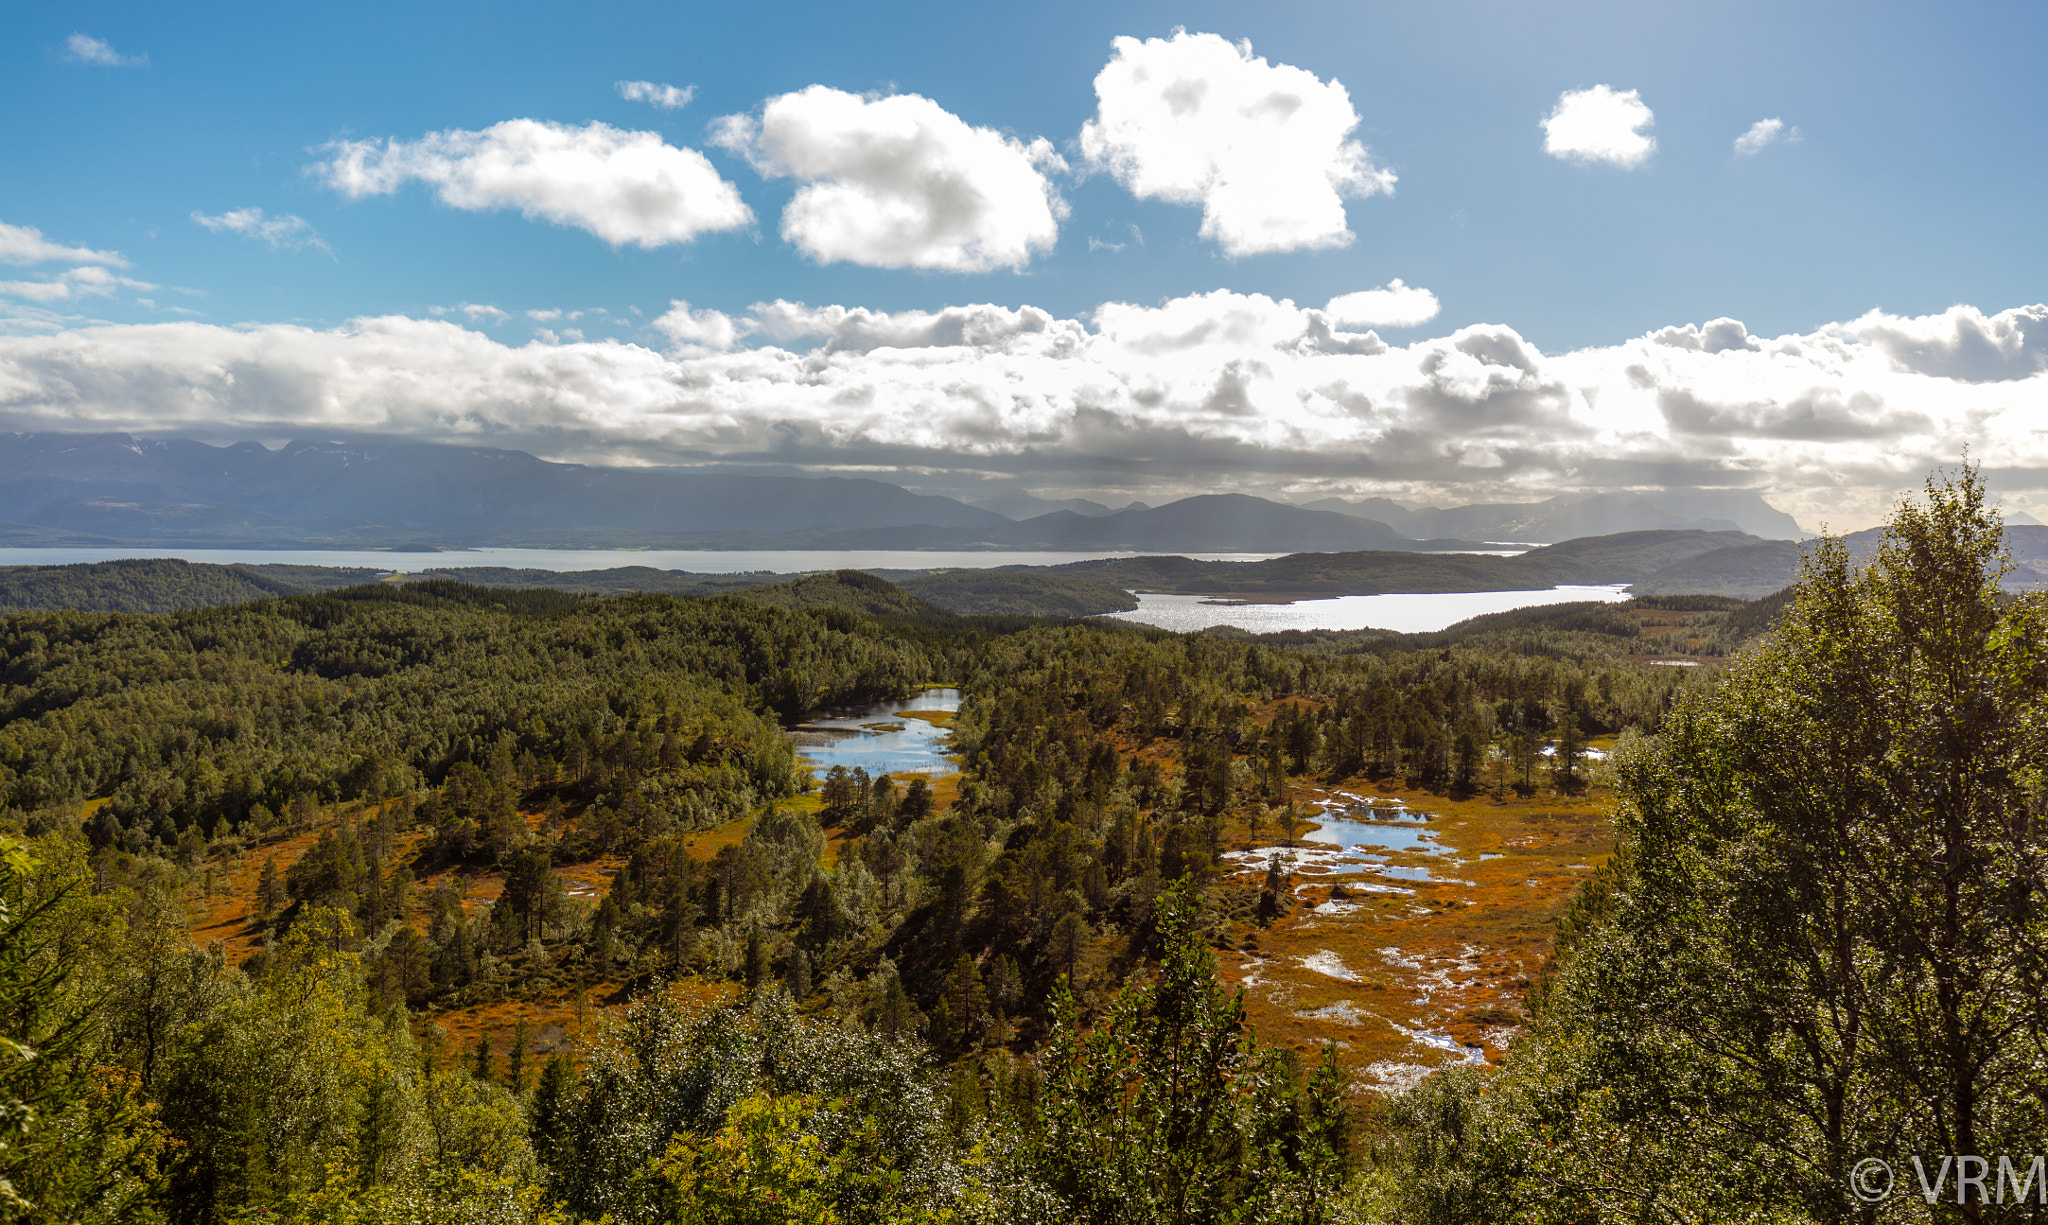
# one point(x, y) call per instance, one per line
point(117, 489)
point(1569, 516)
point(118, 486)
point(1024, 506)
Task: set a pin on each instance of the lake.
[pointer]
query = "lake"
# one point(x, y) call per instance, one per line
point(879, 738)
point(1406, 614)
point(779, 561)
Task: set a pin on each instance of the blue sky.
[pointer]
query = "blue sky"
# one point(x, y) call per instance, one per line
point(1915, 184)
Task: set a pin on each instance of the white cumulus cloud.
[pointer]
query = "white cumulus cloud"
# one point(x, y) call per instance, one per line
point(1199, 393)
point(696, 331)
point(628, 188)
point(24, 244)
point(1763, 133)
point(85, 49)
point(901, 182)
point(283, 232)
point(666, 97)
point(89, 281)
point(1599, 125)
point(1264, 148)
point(1393, 305)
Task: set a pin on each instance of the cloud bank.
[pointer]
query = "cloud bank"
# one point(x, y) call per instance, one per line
point(628, 188)
point(1217, 390)
point(901, 182)
point(1599, 125)
point(1264, 148)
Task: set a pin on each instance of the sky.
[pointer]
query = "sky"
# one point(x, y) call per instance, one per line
point(1451, 252)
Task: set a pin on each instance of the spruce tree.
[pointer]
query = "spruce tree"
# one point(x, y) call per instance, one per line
point(270, 897)
point(799, 977)
point(549, 1112)
point(515, 1064)
point(484, 1066)
point(757, 959)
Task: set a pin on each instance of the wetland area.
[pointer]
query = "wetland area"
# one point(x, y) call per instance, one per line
point(1417, 921)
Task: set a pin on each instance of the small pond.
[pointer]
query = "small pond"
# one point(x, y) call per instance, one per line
point(1351, 835)
point(881, 737)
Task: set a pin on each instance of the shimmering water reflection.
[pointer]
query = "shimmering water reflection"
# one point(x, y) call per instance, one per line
point(880, 739)
point(1406, 614)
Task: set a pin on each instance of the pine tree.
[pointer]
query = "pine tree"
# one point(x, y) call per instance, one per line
point(799, 977)
point(1165, 1109)
point(757, 959)
point(965, 1005)
point(895, 1016)
point(270, 897)
point(484, 1066)
point(1068, 946)
point(515, 1066)
point(549, 1112)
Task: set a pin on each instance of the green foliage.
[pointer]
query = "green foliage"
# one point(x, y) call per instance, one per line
point(137, 585)
point(1167, 1111)
point(770, 1163)
point(1821, 938)
point(680, 1111)
point(1007, 592)
point(292, 1095)
point(846, 591)
point(652, 707)
point(75, 1144)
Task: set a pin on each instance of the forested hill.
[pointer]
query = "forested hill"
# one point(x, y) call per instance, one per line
point(150, 585)
point(1621, 558)
point(169, 585)
point(198, 719)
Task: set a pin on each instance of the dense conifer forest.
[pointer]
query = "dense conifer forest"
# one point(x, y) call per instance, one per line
point(276, 873)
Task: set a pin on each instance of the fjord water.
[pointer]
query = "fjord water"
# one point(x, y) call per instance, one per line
point(1407, 614)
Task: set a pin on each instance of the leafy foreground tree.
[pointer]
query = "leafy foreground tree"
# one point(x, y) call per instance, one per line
point(1820, 939)
point(1168, 1111)
point(76, 1144)
point(294, 1102)
point(686, 1113)
point(1165, 1111)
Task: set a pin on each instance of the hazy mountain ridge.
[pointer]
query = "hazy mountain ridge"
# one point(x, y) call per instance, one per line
point(1572, 515)
point(107, 489)
point(119, 486)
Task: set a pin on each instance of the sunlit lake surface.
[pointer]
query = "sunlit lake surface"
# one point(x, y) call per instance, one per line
point(1407, 614)
point(696, 561)
point(879, 739)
